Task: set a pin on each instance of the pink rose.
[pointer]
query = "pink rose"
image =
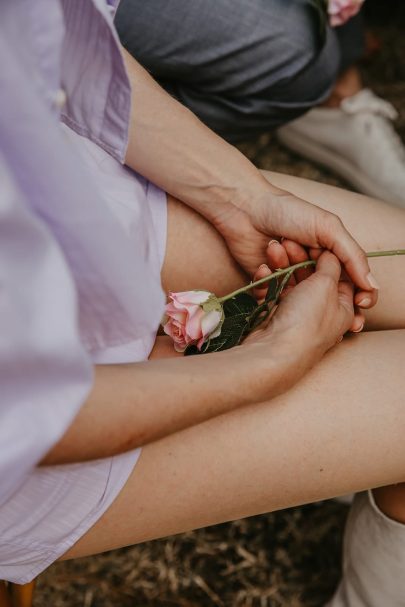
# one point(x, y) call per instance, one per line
point(191, 317)
point(341, 11)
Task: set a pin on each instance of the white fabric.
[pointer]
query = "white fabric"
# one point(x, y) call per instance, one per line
point(374, 558)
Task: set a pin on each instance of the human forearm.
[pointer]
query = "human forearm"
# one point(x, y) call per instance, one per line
point(174, 149)
point(132, 405)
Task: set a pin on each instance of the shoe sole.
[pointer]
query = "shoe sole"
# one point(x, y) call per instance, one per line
point(336, 163)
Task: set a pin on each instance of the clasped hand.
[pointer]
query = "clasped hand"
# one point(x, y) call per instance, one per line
point(327, 302)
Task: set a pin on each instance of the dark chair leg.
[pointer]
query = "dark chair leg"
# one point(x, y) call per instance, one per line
point(5, 599)
point(14, 595)
point(22, 596)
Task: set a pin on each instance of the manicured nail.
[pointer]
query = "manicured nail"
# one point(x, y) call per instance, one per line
point(365, 302)
point(373, 283)
point(273, 242)
point(264, 266)
point(359, 329)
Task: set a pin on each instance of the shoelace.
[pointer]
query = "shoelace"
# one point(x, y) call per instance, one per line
point(366, 102)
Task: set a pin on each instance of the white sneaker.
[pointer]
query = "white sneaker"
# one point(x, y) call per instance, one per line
point(373, 560)
point(357, 141)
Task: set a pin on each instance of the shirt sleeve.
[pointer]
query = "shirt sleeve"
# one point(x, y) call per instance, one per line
point(99, 93)
point(45, 372)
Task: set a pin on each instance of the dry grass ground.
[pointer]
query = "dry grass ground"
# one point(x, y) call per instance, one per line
point(285, 559)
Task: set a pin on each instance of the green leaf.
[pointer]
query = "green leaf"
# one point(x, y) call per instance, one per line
point(242, 304)
point(271, 294)
point(242, 315)
point(283, 284)
point(238, 312)
point(264, 310)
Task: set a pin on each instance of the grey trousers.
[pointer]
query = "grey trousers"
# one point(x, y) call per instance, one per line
point(242, 66)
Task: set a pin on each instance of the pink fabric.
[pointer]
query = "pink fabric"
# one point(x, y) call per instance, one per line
point(341, 11)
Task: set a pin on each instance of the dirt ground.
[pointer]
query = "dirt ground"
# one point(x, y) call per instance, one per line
point(285, 559)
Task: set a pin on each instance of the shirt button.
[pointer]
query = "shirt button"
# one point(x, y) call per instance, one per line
point(60, 98)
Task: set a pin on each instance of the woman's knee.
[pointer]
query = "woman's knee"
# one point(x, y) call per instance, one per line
point(277, 71)
point(312, 57)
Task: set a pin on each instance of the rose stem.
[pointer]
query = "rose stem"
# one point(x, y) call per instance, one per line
point(297, 266)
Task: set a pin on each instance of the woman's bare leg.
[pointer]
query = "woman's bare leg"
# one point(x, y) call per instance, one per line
point(339, 430)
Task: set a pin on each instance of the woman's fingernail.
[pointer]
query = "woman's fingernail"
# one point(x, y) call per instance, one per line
point(273, 242)
point(365, 302)
point(373, 283)
point(264, 266)
point(359, 329)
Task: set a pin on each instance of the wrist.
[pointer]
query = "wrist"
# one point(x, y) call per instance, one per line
point(231, 194)
point(276, 364)
point(279, 360)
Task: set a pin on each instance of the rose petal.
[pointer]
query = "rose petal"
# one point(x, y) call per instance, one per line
point(341, 11)
point(216, 333)
point(200, 343)
point(210, 322)
point(179, 315)
point(193, 324)
point(190, 297)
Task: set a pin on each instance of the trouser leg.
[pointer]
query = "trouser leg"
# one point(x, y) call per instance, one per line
point(243, 68)
point(351, 41)
point(374, 559)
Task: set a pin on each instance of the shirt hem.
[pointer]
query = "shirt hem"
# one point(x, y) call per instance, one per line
point(50, 555)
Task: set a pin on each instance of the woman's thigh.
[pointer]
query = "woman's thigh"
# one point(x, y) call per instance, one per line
point(339, 430)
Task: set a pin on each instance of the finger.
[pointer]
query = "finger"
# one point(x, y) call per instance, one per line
point(361, 299)
point(297, 254)
point(278, 258)
point(366, 299)
point(286, 291)
point(333, 235)
point(259, 293)
point(328, 264)
point(358, 321)
point(315, 253)
point(346, 292)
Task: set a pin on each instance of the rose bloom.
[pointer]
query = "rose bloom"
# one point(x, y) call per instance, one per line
point(341, 11)
point(191, 317)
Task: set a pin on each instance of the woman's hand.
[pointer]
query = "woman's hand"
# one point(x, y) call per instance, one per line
point(287, 254)
point(313, 315)
point(275, 213)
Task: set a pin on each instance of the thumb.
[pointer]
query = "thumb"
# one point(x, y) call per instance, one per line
point(329, 265)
